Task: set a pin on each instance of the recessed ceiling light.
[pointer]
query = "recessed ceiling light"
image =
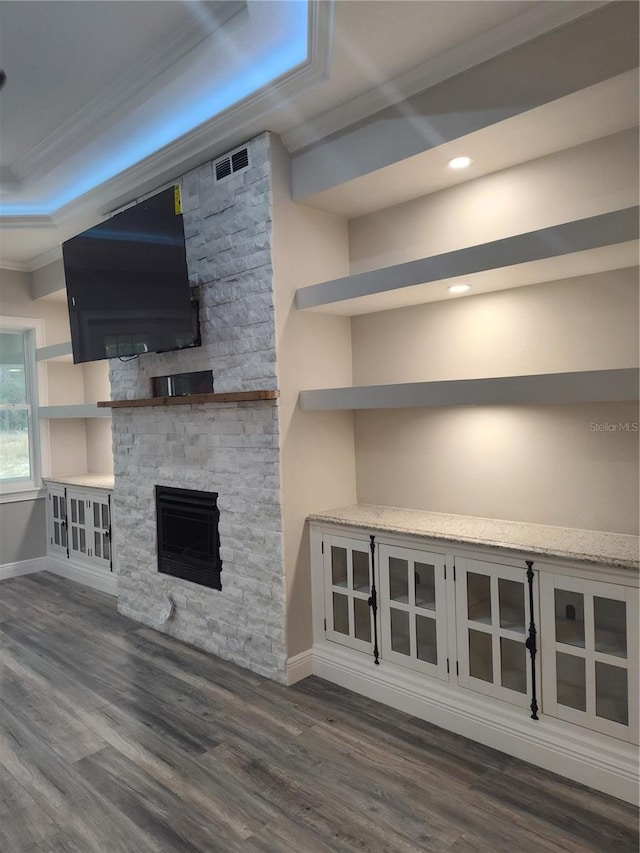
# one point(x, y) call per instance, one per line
point(460, 162)
point(459, 288)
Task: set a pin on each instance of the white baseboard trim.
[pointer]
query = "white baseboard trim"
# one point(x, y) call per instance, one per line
point(23, 567)
point(595, 760)
point(299, 666)
point(95, 578)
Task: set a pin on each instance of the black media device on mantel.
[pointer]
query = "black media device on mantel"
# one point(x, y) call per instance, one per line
point(128, 287)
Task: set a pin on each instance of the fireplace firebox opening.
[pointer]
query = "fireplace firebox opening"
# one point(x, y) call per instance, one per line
point(188, 536)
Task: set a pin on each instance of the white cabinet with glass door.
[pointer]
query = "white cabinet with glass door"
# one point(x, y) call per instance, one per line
point(590, 660)
point(348, 580)
point(79, 526)
point(492, 617)
point(57, 520)
point(412, 604)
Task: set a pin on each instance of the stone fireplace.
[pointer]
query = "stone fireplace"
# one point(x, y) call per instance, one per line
point(231, 449)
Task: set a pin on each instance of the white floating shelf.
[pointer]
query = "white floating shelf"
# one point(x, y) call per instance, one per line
point(559, 241)
point(80, 410)
point(587, 386)
point(55, 351)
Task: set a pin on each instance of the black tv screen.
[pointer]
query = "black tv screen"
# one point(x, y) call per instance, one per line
point(127, 283)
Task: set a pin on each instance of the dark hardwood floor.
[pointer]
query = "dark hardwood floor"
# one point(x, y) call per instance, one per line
point(114, 737)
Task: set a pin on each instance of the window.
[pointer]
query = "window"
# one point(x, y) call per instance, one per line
point(19, 444)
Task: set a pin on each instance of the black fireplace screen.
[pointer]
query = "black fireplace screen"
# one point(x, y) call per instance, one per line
point(188, 537)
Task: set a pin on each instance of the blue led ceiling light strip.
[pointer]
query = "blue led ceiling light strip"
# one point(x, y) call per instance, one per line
point(290, 51)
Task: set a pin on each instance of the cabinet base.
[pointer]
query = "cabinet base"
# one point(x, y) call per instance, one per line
point(96, 579)
point(594, 760)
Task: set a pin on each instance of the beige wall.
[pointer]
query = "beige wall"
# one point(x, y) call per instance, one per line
point(317, 456)
point(95, 380)
point(99, 446)
point(540, 464)
point(68, 446)
point(595, 178)
point(584, 323)
point(64, 383)
point(545, 464)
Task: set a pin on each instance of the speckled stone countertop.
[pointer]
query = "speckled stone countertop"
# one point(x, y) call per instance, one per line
point(589, 546)
point(94, 481)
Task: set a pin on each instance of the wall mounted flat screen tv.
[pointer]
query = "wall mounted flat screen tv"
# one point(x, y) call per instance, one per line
point(127, 284)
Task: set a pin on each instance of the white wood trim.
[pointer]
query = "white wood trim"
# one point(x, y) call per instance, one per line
point(86, 575)
point(28, 494)
point(23, 567)
point(299, 666)
point(603, 763)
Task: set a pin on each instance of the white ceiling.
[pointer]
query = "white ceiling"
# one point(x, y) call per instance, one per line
point(78, 71)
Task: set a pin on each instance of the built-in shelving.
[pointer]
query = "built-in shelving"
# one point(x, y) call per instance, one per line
point(55, 351)
point(79, 410)
point(192, 399)
point(545, 388)
point(614, 233)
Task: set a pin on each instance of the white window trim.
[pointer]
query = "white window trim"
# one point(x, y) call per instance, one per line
point(37, 383)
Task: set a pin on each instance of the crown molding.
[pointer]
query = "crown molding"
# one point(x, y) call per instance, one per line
point(125, 91)
point(28, 221)
point(500, 39)
point(45, 258)
point(13, 266)
point(231, 128)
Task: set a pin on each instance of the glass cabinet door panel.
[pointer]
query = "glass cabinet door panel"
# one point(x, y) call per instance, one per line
point(592, 679)
point(426, 639)
point(58, 521)
point(97, 543)
point(610, 624)
point(96, 514)
point(105, 516)
point(362, 619)
point(612, 697)
point(398, 580)
point(511, 604)
point(480, 655)
point(400, 641)
point(569, 609)
point(479, 598)
point(361, 571)
point(413, 609)
point(492, 612)
point(340, 613)
point(513, 665)
point(338, 566)
point(571, 681)
point(347, 587)
point(424, 579)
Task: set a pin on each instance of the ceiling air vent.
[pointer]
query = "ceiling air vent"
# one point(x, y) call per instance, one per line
point(237, 161)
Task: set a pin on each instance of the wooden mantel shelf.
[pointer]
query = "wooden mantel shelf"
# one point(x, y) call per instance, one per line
point(192, 399)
